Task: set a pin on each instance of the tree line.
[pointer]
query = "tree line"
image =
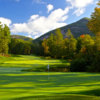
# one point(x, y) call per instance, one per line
point(83, 51)
point(18, 46)
point(12, 45)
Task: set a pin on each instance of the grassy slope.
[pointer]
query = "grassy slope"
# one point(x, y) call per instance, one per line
point(18, 85)
point(29, 61)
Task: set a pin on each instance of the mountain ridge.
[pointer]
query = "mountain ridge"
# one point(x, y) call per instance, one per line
point(25, 38)
point(77, 28)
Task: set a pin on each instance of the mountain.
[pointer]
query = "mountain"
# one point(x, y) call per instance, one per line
point(22, 37)
point(77, 28)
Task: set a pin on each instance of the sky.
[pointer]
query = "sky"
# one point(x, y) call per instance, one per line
point(34, 18)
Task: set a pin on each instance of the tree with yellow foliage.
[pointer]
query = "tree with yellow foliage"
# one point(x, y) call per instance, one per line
point(94, 24)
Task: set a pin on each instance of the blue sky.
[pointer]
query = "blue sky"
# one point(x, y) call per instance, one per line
point(33, 18)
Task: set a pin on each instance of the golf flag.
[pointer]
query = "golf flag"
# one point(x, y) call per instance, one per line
point(48, 66)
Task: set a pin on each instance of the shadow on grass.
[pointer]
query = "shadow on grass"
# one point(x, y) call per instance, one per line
point(13, 55)
point(56, 80)
point(95, 92)
point(40, 80)
point(60, 97)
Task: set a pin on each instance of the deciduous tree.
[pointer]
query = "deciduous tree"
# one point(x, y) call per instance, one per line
point(4, 39)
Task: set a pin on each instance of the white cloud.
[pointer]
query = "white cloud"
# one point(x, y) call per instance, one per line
point(50, 7)
point(19, 28)
point(38, 25)
point(33, 17)
point(5, 21)
point(29, 36)
point(80, 5)
point(79, 11)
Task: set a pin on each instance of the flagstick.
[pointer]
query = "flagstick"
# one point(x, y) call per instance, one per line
point(48, 74)
point(48, 71)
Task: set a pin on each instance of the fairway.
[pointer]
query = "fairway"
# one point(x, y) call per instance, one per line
point(29, 61)
point(18, 85)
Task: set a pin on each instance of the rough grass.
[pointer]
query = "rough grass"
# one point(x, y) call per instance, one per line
point(17, 85)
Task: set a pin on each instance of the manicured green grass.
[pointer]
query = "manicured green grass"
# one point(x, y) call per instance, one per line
point(29, 61)
point(18, 85)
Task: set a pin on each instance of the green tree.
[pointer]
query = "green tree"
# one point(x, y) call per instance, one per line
point(70, 44)
point(12, 46)
point(58, 39)
point(45, 46)
point(94, 24)
point(70, 47)
point(87, 42)
point(54, 44)
point(18, 46)
point(85, 55)
point(51, 45)
point(4, 39)
point(27, 48)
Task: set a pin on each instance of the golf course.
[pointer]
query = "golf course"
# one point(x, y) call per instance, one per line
point(16, 84)
point(49, 49)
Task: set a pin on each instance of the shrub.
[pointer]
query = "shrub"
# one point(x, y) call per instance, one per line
point(79, 65)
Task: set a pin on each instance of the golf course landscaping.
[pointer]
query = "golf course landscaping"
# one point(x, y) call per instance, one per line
point(17, 82)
